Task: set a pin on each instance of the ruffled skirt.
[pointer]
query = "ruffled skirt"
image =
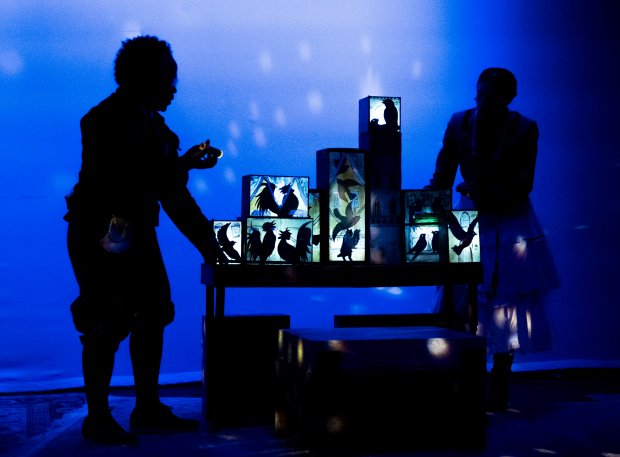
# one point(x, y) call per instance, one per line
point(519, 272)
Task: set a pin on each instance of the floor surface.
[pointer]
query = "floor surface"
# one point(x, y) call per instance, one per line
point(565, 413)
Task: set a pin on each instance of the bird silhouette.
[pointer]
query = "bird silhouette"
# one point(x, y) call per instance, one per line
point(265, 200)
point(418, 247)
point(261, 249)
point(290, 202)
point(344, 189)
point(226, 244)
point(298, 252)
point(465, 237)
point(346, 221)
point(267, 204)
point(349, 241)
point(390, 114)
point(304, 241)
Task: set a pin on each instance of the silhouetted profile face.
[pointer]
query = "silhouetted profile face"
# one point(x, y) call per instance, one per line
point(160, 92)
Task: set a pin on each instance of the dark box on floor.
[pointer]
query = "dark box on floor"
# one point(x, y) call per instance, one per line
point(398, 387)
point(239, 368)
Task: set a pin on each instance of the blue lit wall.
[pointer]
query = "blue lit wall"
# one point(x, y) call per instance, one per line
point(271, 83)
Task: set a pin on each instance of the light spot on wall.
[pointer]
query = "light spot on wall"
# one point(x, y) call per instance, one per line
point(416, 70)
point(305, 51)
point(371, 84)
point(254, 111)
point(280, 117)
point(366, 45)
point(315, 102)
point(234, 129)
point(260, 139)
point(265, 62)
point(229, 175)
point(11, 63)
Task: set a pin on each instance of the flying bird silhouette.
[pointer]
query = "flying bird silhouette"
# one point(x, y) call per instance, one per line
point(418, 247)
point(348, 220)
point(465, 237)
point(226, 244)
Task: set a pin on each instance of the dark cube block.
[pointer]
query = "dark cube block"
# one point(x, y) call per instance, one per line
point(239, 368)
point(382, 387)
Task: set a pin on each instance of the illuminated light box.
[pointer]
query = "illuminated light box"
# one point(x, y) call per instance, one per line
point(380, 136)
point(341, 174)
point(275, 196)
point(278, 240)
point(229, 236)
point(417, 204)
point(463, 236)
point(385, 227)
point(314, 211)
point(426, 241)
point(381, 113)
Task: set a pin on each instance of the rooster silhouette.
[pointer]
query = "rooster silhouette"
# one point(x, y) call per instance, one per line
point(261, 249)
point(347, 220)
point(265, 200)
point(290, 203)
point(465, 237)
point(349, 241)
point(418, 247)
point(226, 244)
point(299, 252)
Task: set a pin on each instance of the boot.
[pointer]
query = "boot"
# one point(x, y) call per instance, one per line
point(499, 382)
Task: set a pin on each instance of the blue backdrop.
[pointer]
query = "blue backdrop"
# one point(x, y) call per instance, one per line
point(271, 83)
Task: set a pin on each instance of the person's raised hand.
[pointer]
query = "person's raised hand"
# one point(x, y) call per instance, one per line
point(201, 156)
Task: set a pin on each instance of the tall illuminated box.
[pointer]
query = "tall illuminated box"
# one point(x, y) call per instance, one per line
point(274, 196)
point(272, 240)
point(380, 136)
point(341, 174)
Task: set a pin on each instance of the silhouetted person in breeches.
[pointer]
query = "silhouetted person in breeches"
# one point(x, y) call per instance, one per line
point(130, 166)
